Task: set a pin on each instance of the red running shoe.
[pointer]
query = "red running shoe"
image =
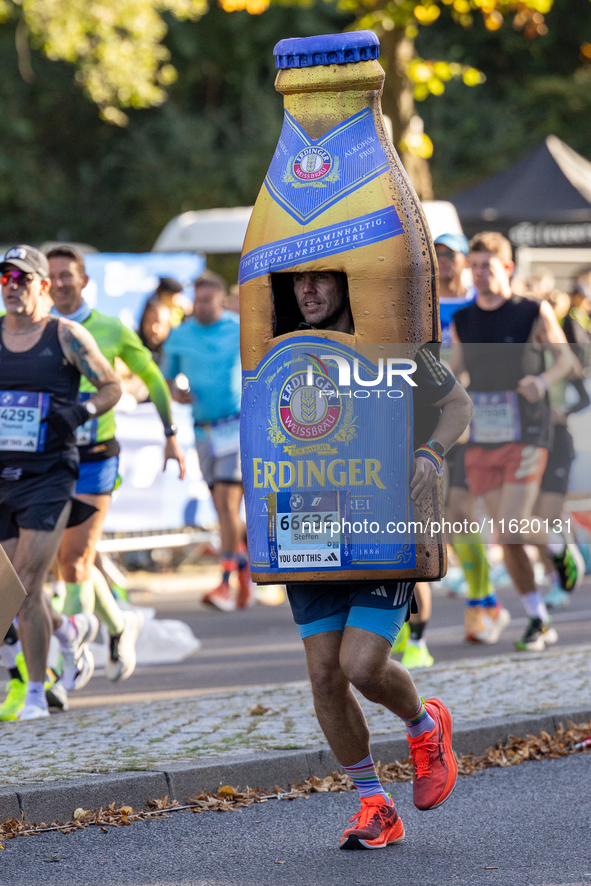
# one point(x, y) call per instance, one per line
point(221, 597)
point(246, 589)
point(377, 825)
point(435, 766)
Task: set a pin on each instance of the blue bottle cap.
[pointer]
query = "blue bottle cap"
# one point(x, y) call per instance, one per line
point(327, 49)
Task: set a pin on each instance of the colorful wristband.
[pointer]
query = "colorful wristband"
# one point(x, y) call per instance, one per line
point(425, 451)
point(543, 380)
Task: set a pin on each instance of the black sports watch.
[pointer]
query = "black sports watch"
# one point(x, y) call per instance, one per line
point(437, 447)
point(170, 431)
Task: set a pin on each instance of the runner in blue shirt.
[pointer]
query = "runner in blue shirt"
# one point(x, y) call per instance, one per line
point(452, 257)
point(202, 364)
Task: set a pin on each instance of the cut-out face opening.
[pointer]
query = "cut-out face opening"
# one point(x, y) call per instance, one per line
point(311, 299)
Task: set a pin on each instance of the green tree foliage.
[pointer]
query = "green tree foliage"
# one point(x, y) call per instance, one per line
point(67, 174)
point(533, 88)
point(116, 45)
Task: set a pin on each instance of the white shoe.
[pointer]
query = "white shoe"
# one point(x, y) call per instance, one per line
point(56, 696)
point(537, 636)
point(122, 658)
point(78, 665)
point(32, 712)
point(495, 621)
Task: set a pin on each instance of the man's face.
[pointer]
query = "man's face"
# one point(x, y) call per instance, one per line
point(320, 296)
point(208, 305)
point(491, 274)
point(22, 293)
point(451, 264)
point(156, 325)
point(67, 283)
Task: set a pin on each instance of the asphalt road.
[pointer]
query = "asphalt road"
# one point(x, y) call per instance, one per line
point(526, 825)
point(262, 645)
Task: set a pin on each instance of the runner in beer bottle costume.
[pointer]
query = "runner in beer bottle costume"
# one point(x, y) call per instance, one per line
point(325, 177)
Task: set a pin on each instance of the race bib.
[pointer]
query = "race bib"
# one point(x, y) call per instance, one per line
point(21, 416)
point(496, 417)
point(86, 434)
point(306, 531)
point(224, 437)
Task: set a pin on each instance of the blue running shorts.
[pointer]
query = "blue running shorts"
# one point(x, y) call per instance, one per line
point(381, 608)
point(98, 477)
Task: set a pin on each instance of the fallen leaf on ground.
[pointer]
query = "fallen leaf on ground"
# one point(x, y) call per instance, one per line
point(258, 710)
point(517, 750)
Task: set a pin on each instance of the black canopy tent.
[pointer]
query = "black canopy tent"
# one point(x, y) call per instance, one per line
point(542, 200)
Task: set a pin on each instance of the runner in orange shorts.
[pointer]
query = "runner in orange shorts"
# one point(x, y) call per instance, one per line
point(500, 340)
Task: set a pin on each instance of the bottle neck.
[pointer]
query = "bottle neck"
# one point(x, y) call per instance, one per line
point(322, 97)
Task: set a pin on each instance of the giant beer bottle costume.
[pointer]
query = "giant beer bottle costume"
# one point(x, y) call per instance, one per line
point(327, 421)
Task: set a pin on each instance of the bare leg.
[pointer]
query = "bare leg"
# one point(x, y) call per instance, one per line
point(32, 558)
point(514, 501)
point(338, 711)
point(78, 547)
point(424, 603)
point(335, 661)
point(227, 498)
point(460, 506)
point(76, 559)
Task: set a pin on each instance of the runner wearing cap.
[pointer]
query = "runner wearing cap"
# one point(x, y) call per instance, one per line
point(452, 257)
point(86, 587)
point(41, 362)
point(510, 431)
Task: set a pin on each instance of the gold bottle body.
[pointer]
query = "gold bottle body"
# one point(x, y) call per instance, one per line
point(392, 282)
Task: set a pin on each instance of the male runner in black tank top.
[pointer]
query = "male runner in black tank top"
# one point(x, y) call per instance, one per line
point(41, 360)
point(500, 341)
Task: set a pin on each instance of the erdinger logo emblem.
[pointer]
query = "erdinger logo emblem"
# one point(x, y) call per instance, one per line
point(309, 412)
point(311, 164)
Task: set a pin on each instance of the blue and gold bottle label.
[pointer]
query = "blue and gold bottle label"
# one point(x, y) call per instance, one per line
point(308, 176)
point(327, 460)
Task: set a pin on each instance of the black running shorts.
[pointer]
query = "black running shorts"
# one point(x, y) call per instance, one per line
point(457, 471)
point(560, 459)
point(34, 501)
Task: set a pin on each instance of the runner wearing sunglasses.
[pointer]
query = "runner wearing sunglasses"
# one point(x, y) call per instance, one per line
point(41, 362)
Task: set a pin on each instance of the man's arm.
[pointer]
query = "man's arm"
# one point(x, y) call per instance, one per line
point(547, 332)
point(82, 351)
point(456, 412)
point(139, 359)
point(160, 397)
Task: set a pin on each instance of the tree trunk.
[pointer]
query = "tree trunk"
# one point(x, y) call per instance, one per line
point(398, 103)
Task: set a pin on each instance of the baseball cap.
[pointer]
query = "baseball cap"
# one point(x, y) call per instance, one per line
point(169, 284)
point(28, 259)
point(455, 242)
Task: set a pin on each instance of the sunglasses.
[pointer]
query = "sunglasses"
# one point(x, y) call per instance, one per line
point(20, 278)
point(447, 254)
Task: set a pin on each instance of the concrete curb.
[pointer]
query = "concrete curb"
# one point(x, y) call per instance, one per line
point(263, 769)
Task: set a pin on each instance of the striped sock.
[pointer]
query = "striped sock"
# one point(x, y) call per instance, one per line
point(366, 778)
point(421, 722)
point(229, 564)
